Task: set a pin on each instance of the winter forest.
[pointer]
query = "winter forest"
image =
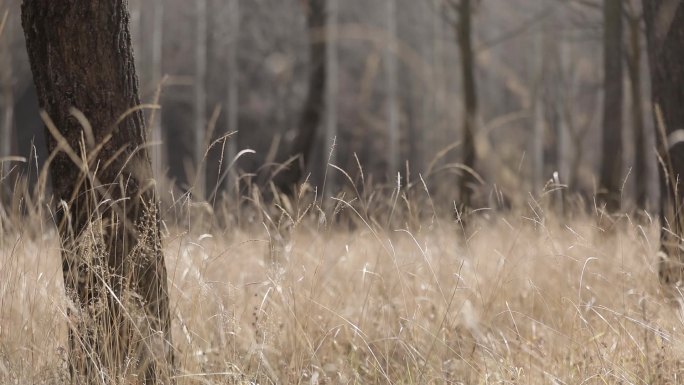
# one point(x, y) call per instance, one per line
point(341, 191)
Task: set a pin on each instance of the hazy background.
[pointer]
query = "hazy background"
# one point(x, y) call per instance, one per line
point(243, 66)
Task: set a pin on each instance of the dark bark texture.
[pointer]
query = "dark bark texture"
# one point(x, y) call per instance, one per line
point(665, 36)
point(610, 182)
point(113, 265)
point(312, 113)
point(464, 34)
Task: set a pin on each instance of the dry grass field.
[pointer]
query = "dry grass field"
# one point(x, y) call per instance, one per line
point(371, 288)
point(523, 297)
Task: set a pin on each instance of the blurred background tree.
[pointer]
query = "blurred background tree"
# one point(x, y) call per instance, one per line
point(533, 88)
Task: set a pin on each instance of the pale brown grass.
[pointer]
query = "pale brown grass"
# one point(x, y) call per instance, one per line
point(515, 302)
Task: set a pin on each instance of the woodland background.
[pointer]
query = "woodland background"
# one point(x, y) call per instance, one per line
point(532, 115)
point(393, 97)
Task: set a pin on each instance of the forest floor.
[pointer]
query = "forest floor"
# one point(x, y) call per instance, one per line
point(511, 300)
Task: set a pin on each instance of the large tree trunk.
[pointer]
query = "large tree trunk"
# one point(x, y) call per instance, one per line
point(640, 146)
point(312, 113)
point(665, 36)
point(107, 216)
point(464, 33)
point(611, 160)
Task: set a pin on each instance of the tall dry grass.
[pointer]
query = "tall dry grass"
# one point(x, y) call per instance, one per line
point(374, 288)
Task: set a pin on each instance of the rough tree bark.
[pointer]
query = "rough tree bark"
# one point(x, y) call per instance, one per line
point(665, 37)
point(107, 217)
point(610, 180)
point(314, 105)
point(464, 34)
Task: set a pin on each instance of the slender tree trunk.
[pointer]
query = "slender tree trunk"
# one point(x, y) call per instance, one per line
point(425, 122)
point(640, 146)
point(157, 151)
point(538, 115)
point(6, 126)
point(418, 112)
point(610, 182)
point(539, 128)
point(108, 221)
point(392, 97)
point(331, 96)
point(665, 37)
point(232, 103)
point(312, 114)
point(200, 106)
point(563, 127)
point(464, 33)
point(147, 33)
point(573, 132)
point(439, 84)
point(6, 109)
point(222, 43)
